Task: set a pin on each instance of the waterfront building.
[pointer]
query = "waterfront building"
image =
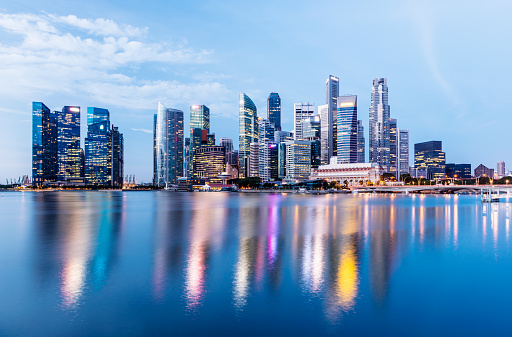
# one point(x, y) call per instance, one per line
point(98, 148)
point(254, 160)
point(379, 133)
point(155, 117)
point(403, 152)
point(360, 142)
point(267, 152)
point(315, 153)
point(283, 136)
point(347, 129)
point(200, 117)
point(298, 160)
point(248, 132)
point(274, 110)
point(198, 138)
point(281, 160)
point(393, 148)
point(458, 171)
point(44, 145)
point(169, 134)
point(483, 171)
point(117, 147)
point(430, 156)
point(355, 174)
point(186, 158)
point(301, 111)
point(210, 162)
point(69, 144)
point(500, 169)
point(418, 173)
point(332, 92)
point(325, 134)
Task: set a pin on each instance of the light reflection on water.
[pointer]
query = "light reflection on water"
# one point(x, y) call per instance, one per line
point(159, 256)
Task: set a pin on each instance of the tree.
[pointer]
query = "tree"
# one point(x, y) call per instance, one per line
point(345, 182)
point(332, 184)
point(387, 177)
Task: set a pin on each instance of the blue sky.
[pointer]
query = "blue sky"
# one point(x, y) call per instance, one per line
point(447, 66)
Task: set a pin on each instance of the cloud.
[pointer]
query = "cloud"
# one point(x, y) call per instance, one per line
point(143, 131)
point(98, 60)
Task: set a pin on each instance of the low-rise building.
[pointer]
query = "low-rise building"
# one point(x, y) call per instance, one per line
point(353, 173)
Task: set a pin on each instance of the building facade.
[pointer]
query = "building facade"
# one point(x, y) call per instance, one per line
point(302, 111)
point(98, 148)
point(325, 133)
point(248, 132)
point(379, 133)
point(298, 160)
point(458, 171)
point(169, 134)
point(483, 171)
point(200, 117)
point(430, 156)
point(403, 152)
point(274, 110)
point(500, 169)
point(254, 160)
point(360, 142)
point(70, 165)
point(117, 146)
point(355, 174)
point(347, 129)
point(332, 92)
point(210, 162)
point(393, 148)
point(44, 145)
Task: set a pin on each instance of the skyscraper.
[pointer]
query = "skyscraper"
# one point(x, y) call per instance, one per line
point(248, 132)
point(169, 145)
point(430, 156)
point(379, 125)
point(403, 152)
point(98, 147)
point(347, 129)
point(302, 111)
point(69, 143)
point(360, 142)
point(332, 93)
point(325, 134)
point(393, 147)
point(298, 160)
point(117, 146)
point(311, 131)
point(274, 110)
point(500, 169)
point(267, 160)
point(44, 144)
point(200, 117)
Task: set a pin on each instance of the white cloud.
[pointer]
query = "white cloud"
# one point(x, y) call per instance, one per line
point(143, 130)
point(95, 60)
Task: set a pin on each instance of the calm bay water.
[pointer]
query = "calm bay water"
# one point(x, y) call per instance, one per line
point(167, 263)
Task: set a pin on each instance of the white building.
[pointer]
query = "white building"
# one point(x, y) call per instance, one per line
point(379, 131)
point(403, 152)
point(301, 112)
point(254, 160)
point(353, 173)
point(360, 142)
point(501, 169)
point(298, 160)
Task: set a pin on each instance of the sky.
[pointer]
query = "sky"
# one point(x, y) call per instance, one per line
point(447, 65)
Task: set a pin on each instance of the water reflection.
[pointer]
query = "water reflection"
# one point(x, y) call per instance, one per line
point(329, 252)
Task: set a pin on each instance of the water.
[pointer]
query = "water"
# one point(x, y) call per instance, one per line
point(163, 263)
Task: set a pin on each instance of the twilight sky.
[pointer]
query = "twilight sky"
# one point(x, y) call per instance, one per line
point(447, 66)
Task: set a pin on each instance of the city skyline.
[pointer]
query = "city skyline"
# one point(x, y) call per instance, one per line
point(201, 70)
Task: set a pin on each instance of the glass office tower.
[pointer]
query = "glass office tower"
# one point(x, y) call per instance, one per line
point(403, 152)
point(117, 146)
point(169, 146)
point(248, 131)
point(98, 147)
point(332, 93)
point(200, 117)
point(274, 110)
point(430, 156)
point(379, 124)
point(44, 144)
point(347, 129)
point(360, 142)
point(302, 111)
point(69, 143)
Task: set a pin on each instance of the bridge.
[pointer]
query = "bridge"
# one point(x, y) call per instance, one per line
point(436, 189)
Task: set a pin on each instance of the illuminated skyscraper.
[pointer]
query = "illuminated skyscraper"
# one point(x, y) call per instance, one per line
point(325, 131)
point(347, 129)
point(379, 125)
point(69, 143)
point(98, 152)
point(403, 152)
point(200, 117)
point(117, 147)
point(332, 93)
point(274, 110)
point(169, 136)
point(44, 144)
point(430, 156)
point(393, 147)
point(248, 132)
point(298, 160)
point(311, 131)
point(302, 111)
point(360, 142)
point(267, 156)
